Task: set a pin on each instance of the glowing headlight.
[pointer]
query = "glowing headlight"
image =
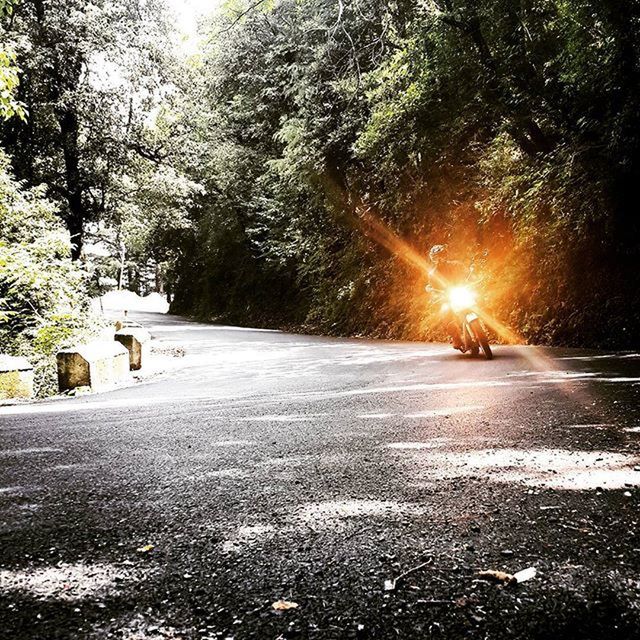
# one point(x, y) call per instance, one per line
point(461, 298)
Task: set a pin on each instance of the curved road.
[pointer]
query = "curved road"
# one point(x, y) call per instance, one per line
point(267, 466)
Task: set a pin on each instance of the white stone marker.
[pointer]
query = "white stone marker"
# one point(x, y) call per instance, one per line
point(98, 365)
point(138, 344)
point(16, 377)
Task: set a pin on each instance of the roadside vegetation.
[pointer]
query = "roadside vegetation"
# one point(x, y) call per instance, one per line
point(44, 302)
point(43, 293)
point(487, 125)
point(265, 178)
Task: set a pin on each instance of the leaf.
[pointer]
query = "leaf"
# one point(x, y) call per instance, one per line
point(284, 605)
point(502, 577)
point(389, 585)
point(146, 549)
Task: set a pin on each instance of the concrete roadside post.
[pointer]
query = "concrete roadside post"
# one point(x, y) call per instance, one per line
point(137, 342)
point(125, 323)
point(16, 377)
point(99, 365)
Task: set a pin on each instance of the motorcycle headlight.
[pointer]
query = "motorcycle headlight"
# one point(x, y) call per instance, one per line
point(461, 298)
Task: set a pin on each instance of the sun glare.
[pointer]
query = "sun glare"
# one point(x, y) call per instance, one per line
point(188, 14)
point(373, 227)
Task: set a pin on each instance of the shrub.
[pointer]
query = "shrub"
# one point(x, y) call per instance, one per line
point(43, 300)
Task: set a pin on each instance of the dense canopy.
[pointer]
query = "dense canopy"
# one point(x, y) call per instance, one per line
point(294, 171)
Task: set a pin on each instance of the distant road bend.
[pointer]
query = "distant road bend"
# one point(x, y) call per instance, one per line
point(272, 466)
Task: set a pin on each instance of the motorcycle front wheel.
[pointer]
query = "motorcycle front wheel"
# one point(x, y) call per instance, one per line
point(482, 339)
point(469, 340)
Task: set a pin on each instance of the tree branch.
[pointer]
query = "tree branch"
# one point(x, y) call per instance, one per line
point(241, 15)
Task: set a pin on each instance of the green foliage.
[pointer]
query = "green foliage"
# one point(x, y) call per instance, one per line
point(498, 125)
point(91, 74)
point(9, 74)
point(42, 292)
point(9, 81)
point(267, 176)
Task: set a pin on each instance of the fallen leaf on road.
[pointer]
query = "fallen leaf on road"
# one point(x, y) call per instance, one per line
point(502, 577)
point(496, 576)
point(145, 549)
point(284, 605)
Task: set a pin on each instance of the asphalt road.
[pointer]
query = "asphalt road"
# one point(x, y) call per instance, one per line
point(267, 466)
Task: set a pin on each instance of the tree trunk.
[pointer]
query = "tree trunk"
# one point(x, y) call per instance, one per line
point(123, 264)
point(76, 214)
point(160, 286)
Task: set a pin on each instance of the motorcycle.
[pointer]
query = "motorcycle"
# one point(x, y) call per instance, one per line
point(461, 300)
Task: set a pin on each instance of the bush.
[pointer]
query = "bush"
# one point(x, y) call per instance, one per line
point(43, 300)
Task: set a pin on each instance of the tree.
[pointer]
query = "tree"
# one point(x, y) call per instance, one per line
point(91, 74)
point(325, 128)
point(9, 74)
point(43, 302)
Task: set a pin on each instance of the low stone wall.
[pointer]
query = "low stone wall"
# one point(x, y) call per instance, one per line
point(137, 342)
point(98, 365)
point(16, 378)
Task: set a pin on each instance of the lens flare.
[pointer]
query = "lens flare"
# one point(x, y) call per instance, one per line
point(461, 298)
point(360, 215)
